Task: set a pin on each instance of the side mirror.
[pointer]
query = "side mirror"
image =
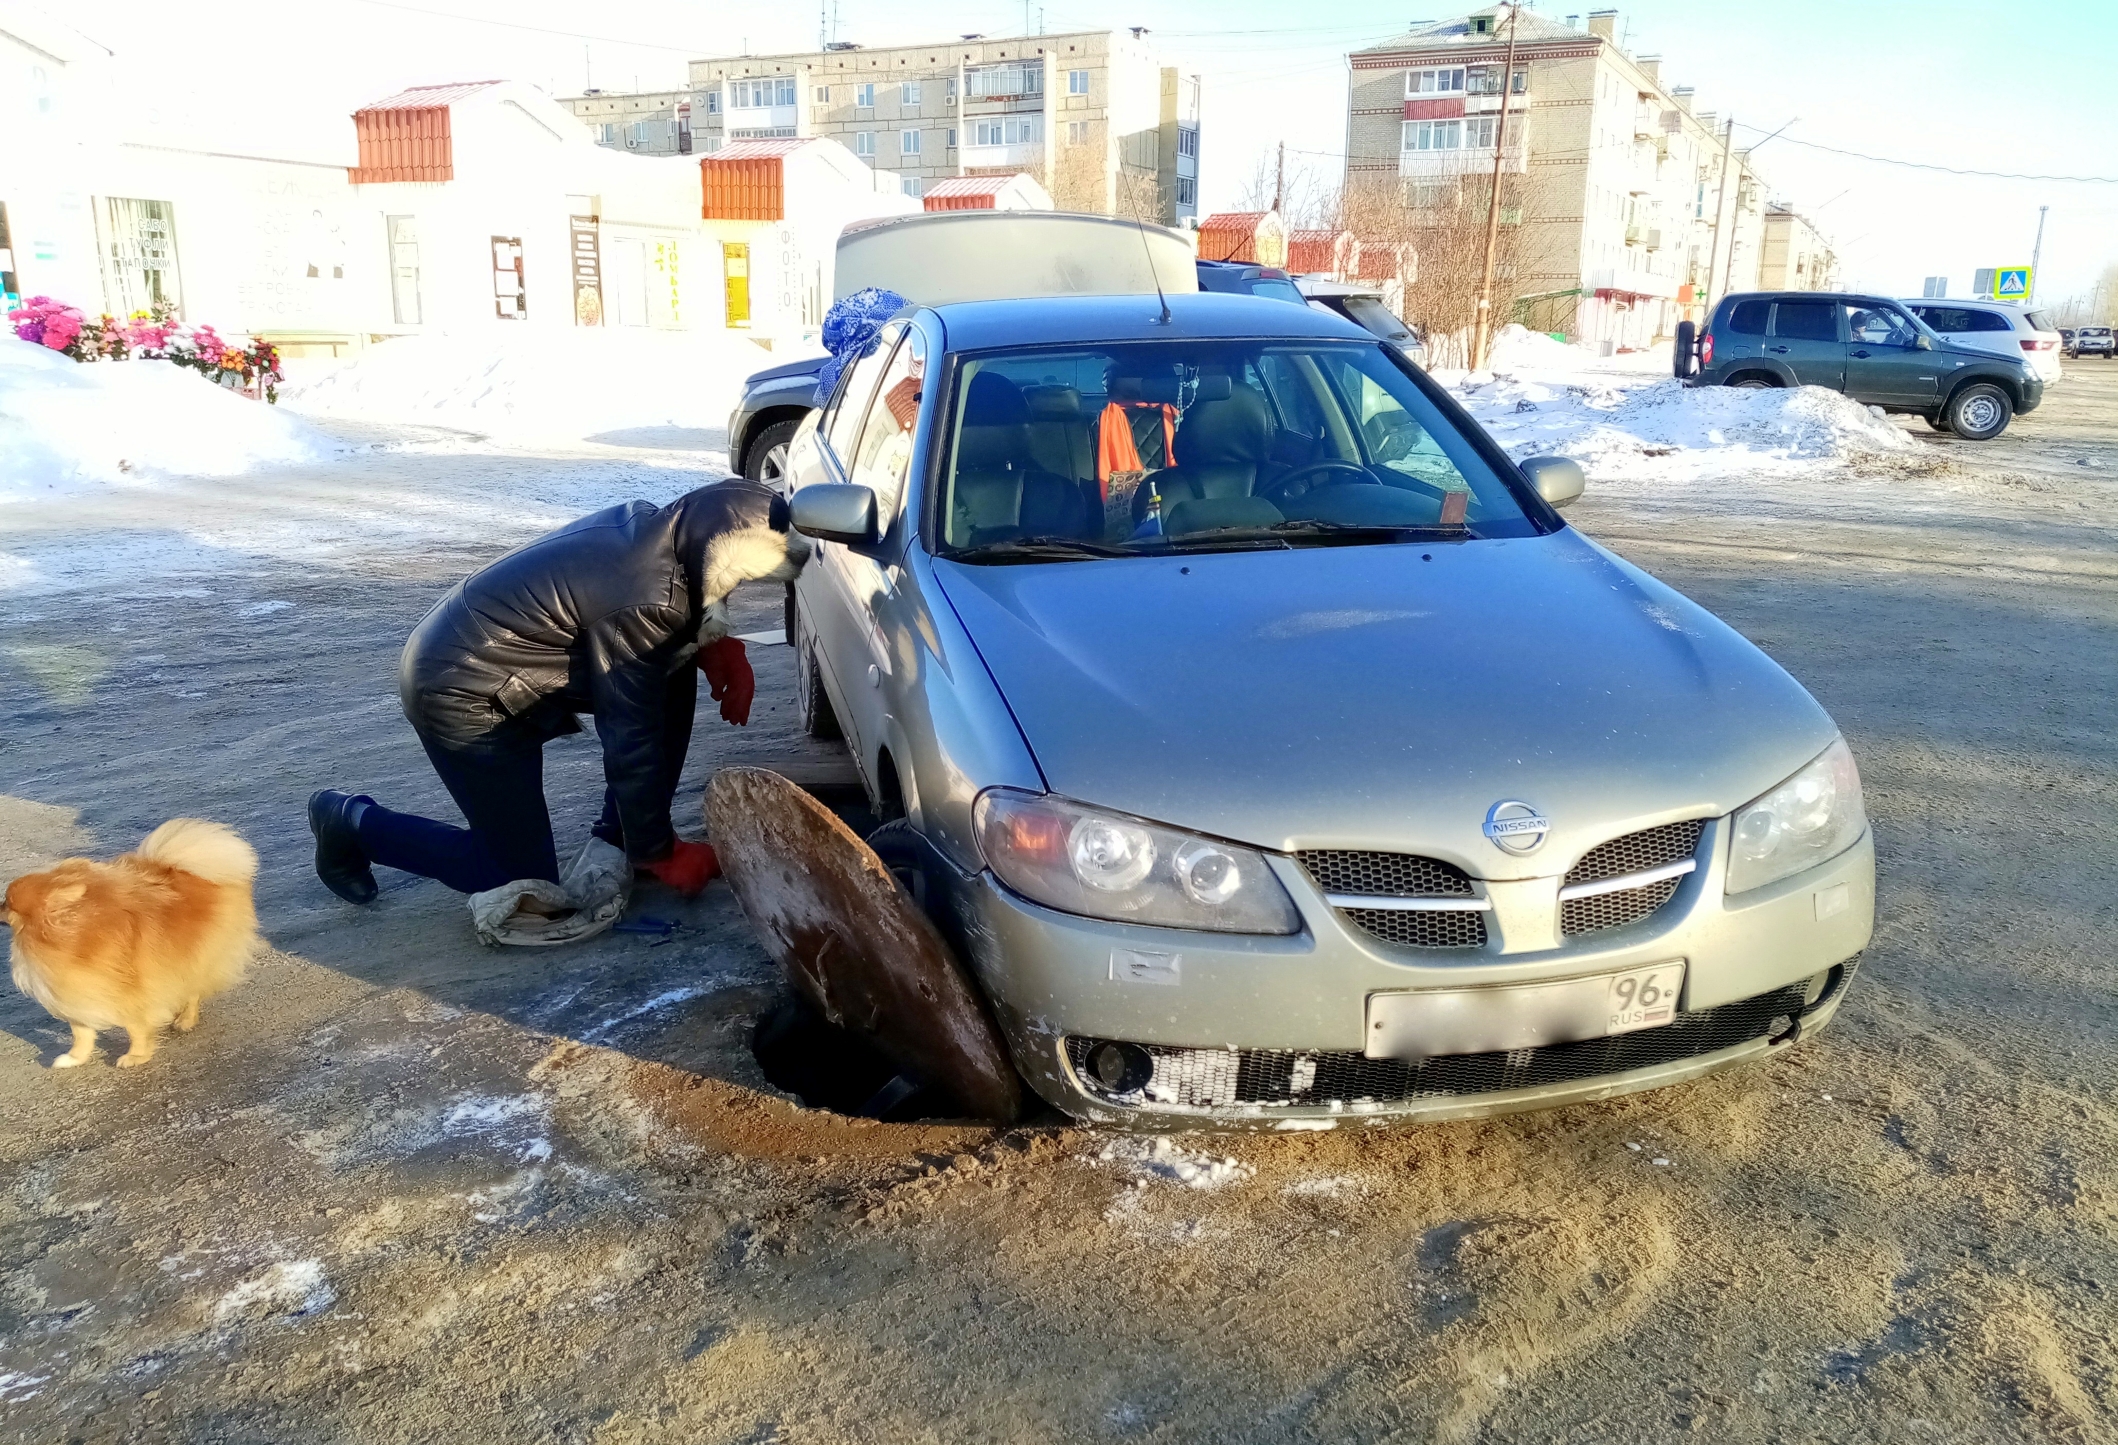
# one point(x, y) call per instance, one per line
point(1557, 479)
point(1921, 343)
point(834, 512)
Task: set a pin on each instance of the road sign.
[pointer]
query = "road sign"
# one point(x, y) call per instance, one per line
point(2011, 283)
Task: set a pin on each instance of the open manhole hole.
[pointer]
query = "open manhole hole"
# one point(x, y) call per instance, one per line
point(833, 1068)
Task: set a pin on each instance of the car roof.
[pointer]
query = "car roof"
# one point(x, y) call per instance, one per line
point(1806, 296)
point(1058, 320)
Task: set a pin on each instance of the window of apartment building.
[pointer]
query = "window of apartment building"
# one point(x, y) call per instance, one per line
point(1011, 78)
point(864, 143)
point(1433, 135)
point(1187, 191)
point(915, 185)
point(1479, 131)
point(606, 134)
point(908, 92)
point(639, 134)
point(1077, 132)
point(1008, 130)
point(823, 95)
point(1077, 82)
point(952, 137)
point(404, 270)
point(1187, 142)
point(1485, 80)
point(713, 102)
point(908, 142)
point(864, 94)
point(1442, 81)
point(766, 91)
point(950, 87)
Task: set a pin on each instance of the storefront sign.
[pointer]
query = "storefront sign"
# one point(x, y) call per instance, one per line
point(588, 271)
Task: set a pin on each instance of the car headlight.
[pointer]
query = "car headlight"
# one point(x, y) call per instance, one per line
point(1083, 860)
point(1812, 817)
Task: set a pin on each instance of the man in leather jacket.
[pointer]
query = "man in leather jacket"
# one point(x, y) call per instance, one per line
point(608, 616)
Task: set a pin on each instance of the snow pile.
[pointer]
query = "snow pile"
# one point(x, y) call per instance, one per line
point(578, 383)
point(65, 425)
point(1621, 421)
point(1164, 1159)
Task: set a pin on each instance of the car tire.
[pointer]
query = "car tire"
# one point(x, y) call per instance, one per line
point(818, 719)
point(1979, 412)
point(1753, 382)
point(766, 462)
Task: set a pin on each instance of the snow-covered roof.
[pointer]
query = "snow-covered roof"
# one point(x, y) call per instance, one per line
point(1530, 26)
point(32, 28)
point(430, 97)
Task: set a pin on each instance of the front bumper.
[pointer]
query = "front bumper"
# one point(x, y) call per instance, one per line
point(1300, 1002)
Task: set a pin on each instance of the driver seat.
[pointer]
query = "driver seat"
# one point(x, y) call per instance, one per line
point(1221, 447)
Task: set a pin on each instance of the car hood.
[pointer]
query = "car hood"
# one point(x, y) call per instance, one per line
point(801, 366)
point(1386, 696)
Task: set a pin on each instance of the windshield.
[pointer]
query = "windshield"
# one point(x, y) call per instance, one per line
point(1372, 315)
point(1119, 449)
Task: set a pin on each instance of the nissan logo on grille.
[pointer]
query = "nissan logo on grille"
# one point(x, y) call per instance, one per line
point(1516, 827)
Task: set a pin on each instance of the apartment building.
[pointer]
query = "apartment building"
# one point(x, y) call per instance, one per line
point(1793, 255)
point(1635, 211)
point(1094, 116)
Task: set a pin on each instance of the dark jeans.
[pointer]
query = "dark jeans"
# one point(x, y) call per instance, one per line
point(498, 782)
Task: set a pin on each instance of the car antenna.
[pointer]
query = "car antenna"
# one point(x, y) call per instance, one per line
point(1133, 205)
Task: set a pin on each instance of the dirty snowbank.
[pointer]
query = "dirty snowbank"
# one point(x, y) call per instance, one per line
point(65, 426)
point(1623, 421)
point(630, 387)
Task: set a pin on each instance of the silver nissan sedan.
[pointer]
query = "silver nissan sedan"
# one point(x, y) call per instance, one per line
point(1271, 749)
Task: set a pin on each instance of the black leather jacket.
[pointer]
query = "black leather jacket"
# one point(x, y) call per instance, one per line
point(593, 618)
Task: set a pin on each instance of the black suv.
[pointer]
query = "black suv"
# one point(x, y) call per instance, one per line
point(1868, 347)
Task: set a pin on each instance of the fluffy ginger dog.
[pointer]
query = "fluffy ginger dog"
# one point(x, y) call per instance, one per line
point(138, 942)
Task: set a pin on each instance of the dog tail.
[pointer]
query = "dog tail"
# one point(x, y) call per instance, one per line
point(211, 851)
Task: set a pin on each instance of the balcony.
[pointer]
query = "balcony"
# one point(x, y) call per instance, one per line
point(1022, 156)
point(765, 118)
point(1468, 161)
point(1646, 237)
point(1490, 104)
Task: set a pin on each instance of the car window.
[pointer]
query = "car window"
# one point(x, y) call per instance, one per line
point(841, 423)
point(1748, 318)
point(2038, 320)
point(880, 460)
point(1279, 291)
point(1188, 445)
point(1945, 319)
point(1375, 317)
point(1880, 325)
point(1990, 321)
point(1806, 321)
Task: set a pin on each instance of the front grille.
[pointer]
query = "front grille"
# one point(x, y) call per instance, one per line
point(1399, 875)
point(1634, 853)
point(1638, 852)
point(1209, 1077)
point(1385, 875)
point(1422, 928)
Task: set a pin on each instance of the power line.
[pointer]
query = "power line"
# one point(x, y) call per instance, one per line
point(1929, 166)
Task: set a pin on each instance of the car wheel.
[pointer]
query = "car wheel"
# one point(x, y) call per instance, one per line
point(811, 701)
point(1753, 383)
point(767, 462)
point(1979, 412)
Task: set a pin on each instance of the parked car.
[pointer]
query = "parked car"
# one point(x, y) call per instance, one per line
point(1997, 326)
point(1314, 769)
point(965, 255)
point(2094, 341)
point(2066, 342)
point(1868, 347)
point(1244, 278)
point(1364, 307)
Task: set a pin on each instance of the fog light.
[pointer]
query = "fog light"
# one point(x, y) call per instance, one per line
point(1120, 1068)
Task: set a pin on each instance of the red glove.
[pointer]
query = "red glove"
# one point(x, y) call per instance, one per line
point(729, 678)
point(688, 868)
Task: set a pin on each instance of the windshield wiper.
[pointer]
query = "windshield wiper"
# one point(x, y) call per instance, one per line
point(1334, 531)
point(1040, 549)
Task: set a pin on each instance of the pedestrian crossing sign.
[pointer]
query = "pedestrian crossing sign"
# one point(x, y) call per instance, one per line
point(2011, 283)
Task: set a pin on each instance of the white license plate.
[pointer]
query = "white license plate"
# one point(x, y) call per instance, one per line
point(1434, 1023)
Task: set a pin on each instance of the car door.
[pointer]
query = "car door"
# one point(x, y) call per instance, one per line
point(1885, 364)
point(1806, 340)
point(822, 453)
point(863, 581)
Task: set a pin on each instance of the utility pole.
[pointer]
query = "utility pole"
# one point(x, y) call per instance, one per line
point(2036, 252)
point(1713, 264)
point(1279, 178)
point(1483, 335)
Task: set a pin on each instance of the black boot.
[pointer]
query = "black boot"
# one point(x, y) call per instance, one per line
point(341, 862)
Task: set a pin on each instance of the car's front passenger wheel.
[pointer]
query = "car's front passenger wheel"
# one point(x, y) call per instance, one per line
point(1980, 412)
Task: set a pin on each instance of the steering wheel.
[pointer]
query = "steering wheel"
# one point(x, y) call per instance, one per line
point(1297, 484)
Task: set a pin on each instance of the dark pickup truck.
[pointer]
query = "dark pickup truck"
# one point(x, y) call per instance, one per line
point(1868, 347)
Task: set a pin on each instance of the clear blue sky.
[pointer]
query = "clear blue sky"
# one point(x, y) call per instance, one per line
point(1976, 84)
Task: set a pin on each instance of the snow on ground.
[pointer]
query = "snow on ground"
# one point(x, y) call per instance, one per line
point(66, 426)
point(1626, 418)
point(611, 384)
